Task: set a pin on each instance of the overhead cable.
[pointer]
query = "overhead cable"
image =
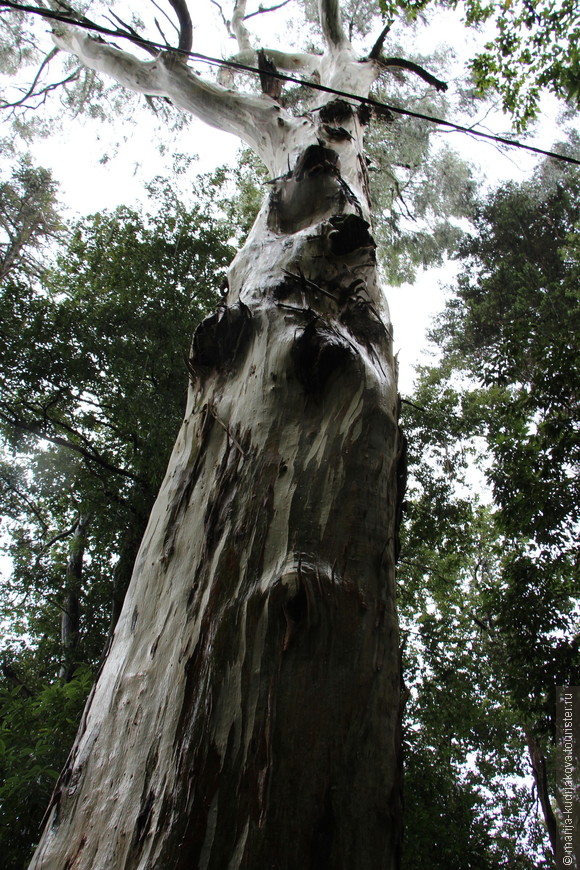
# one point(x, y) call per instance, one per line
point(85, 24)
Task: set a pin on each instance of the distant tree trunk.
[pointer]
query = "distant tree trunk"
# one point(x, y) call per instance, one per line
point(247, 715)
point(123, 570)
point(71, 611)
point(539, 770)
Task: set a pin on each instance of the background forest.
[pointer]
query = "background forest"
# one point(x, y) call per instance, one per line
point(96, 317)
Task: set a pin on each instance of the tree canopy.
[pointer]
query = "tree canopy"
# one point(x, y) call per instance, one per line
point(93, 380)
point(531, 48)
point(493, 586)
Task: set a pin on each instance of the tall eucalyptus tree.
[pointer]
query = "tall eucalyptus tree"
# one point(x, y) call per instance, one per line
point(248, 712)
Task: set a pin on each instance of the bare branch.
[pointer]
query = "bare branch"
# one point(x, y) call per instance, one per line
point(132, 33)
point(378, 46)
point(410, 66)
point(161, 33)
point(261, 9)
point(89, 454)
point(238, 27)
point(41, 94)
point(164, 13)
point(185, 26)
point(285, 61)
point(331, 23)
point(30, 92)
point(226, 23)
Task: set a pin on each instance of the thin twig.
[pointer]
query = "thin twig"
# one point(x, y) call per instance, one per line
point(417, 407)
point(261, 9)
point(225, 21)
point(164, 13)
point(161, 33)
point(30, 91)
point(131, 31)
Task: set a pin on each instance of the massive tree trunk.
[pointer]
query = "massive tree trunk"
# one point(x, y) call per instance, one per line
point(247, 714)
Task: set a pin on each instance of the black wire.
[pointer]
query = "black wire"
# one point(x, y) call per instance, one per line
point(214, 61)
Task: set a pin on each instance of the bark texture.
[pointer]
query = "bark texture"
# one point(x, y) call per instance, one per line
point(247, 715)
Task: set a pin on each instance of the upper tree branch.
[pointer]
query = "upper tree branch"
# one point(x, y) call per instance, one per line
point(56, 538)
point(185, 26)
point(244, 115)
point(90, 455)
point(401, 63)
point(378, 46)
point(286, 61)
point(52, 53)
point(133, 33)
point(261, 9)
point(331, 23)
point(238, 27)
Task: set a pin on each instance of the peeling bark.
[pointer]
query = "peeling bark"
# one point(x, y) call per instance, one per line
point(248, 713)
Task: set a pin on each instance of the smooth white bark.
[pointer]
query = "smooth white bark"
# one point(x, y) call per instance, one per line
point(247, 715)
point(238, 27)
point(252, 118)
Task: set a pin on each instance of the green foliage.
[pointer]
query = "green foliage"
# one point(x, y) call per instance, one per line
point(489, 592)
point(533, 50)
point(36, 732)
point(93, 384)
point(419, 197)
point(28, 219)
point(90, 357)
point(513, 325)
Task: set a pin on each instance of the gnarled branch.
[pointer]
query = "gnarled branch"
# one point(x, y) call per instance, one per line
point(410, 66)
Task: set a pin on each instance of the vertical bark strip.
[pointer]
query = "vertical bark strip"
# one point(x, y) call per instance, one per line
point(247, 715)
